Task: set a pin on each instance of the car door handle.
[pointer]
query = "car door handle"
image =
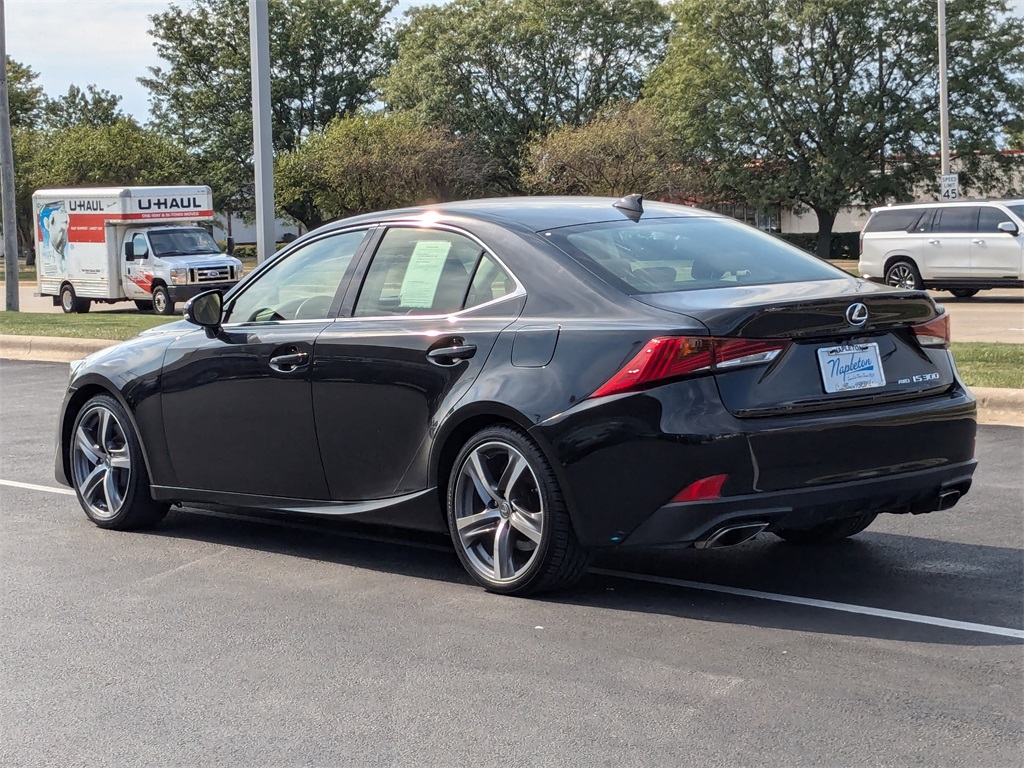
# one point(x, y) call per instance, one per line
point(289, 362)
point(978, 242)
point(451, 355)
point(934, 242)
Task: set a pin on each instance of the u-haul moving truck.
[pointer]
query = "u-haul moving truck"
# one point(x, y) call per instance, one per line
point(141, 244)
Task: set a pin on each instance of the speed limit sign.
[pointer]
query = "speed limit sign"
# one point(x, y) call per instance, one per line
point(949, 186)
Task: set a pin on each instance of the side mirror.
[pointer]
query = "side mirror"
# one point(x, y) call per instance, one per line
point(129, 251)
point(231, 246)
point(1008, 227)
point(206, 310)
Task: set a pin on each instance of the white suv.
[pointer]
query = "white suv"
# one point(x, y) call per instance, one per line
point(961, 247)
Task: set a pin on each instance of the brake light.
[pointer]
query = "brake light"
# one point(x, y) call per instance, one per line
point(670, 357)
point(702, 490)
point(934, 333)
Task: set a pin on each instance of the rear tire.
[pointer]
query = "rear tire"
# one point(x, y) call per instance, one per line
point(507, 517)
point(68, 299)
point(162, 302)
point(108, 470)
point(834, 530)
point(143, 306)
point(963, 293)
point(904, 274)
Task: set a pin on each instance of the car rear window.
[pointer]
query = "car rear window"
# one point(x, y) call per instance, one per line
point(686, 254)
point(896, 220)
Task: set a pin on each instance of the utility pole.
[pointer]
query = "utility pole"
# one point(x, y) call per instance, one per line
point(7, 178)
point(263, 155)
point(943, 92)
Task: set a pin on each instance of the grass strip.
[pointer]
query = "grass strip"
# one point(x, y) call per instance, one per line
point(100, 325)
point(984, 364)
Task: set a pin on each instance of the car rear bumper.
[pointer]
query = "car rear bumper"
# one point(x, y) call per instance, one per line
point(915, 492)
point(622, 459)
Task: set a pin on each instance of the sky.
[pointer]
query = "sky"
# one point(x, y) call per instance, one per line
point(102, 42)
point(105, 43)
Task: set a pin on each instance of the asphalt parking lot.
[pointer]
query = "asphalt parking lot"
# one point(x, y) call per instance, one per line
point(237, 639)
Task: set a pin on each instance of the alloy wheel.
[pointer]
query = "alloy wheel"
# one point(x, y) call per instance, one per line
point(499, 511)
point(902, 276)
point(101, 462)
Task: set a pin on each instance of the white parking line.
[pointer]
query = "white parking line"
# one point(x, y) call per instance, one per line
point(864, 610)
point(828, 605)
point(34, 487)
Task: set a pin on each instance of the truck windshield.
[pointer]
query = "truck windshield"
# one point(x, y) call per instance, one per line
point(182, 242)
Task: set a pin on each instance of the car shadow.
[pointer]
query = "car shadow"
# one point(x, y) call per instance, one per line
point(963, 582)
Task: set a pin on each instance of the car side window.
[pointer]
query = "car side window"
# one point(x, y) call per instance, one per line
point(959, 219)
point(418, 271)
point(490, 282)
point(140, 246)
point(302, 286)
point(990, 218)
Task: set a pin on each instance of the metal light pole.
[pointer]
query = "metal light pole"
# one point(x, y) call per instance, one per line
point(263, 155)
point(943, 92)
point(7, 178)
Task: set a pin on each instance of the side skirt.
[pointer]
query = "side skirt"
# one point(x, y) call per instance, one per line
point(418, 511)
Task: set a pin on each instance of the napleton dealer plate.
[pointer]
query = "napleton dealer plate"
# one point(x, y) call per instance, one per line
point(849, 367)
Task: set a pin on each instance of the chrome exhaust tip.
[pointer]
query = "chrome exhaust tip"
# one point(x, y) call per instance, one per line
point(731, 535)
point(947, 499)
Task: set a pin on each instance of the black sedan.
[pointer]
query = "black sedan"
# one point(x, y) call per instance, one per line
point(540, 377)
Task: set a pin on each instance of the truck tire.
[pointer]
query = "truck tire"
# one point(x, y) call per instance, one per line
point(68, 300)
point(143, 306)
point(162, 303)
point(963, 293)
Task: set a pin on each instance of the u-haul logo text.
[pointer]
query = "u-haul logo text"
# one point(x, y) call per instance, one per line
point(85, 205)
point(169, 204)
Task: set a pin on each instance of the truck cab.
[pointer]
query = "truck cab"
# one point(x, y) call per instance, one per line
point(164, 266)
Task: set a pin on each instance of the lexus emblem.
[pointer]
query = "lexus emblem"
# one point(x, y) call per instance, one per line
point(856, 315)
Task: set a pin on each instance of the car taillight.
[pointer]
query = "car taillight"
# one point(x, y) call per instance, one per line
point(670, 357)
point(934, 333)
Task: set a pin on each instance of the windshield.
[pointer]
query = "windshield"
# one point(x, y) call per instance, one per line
point(1017, 210)
point(686, 254)
point(182, 242)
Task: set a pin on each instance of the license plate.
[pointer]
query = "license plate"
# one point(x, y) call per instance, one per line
point(850, 367)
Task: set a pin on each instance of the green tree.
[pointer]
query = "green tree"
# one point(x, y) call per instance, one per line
point(364, 163)
point(503, 71)
point(819, 102)
point(87, 155)
point(624, 149)
point(325, 56)
point(92, 106)
point(24, 97)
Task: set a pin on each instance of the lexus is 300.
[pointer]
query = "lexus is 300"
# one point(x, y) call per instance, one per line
point(541, 378)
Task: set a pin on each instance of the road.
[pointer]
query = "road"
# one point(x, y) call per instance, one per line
point(246, 640)
point(989, 316)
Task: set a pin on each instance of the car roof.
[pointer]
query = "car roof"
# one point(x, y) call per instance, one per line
point(944, 204)
point(534, 213)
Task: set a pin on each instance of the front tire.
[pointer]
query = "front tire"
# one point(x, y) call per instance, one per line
point(963, 293)
point(826, 533)
point(162, 302)
point(507, 517)
point(904, 274)
point(108, 470)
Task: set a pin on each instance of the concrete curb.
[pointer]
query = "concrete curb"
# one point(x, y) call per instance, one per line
point(995, 405)
point(53, 349)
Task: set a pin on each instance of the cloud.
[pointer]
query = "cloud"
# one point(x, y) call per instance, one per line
point(103, 42)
